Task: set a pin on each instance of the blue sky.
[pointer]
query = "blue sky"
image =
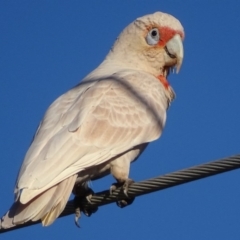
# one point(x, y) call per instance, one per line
point(47, 47)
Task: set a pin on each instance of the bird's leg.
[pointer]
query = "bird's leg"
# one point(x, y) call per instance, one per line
point(82, 191)
point(124, 185)
point(120, 171)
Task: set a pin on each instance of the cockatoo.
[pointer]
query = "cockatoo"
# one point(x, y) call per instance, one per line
point(104, 123)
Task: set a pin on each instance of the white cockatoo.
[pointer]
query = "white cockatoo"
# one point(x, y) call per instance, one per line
point(104, 123)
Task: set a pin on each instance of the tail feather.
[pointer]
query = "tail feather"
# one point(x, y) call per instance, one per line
point(60, 194)
point(56, 211)
point(47, 206)
point(30, 210)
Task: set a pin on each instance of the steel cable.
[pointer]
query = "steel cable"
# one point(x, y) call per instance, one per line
point(150, 185)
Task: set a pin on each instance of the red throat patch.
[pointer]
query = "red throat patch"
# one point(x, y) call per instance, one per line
point(170, 94)
point(164, 81)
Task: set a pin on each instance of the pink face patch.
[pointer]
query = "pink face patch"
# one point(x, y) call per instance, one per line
point(166, 34)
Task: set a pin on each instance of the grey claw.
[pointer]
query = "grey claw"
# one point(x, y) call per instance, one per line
point(77, 216)
point(112, 188)
point(125, 190)
point(126, 185)
point(89, 197)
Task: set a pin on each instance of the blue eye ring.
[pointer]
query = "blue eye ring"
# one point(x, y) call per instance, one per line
point(153, 36)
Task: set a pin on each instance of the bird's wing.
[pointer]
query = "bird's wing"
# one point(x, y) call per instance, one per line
point(83, 130)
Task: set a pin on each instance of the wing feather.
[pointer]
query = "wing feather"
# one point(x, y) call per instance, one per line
point(89, 125)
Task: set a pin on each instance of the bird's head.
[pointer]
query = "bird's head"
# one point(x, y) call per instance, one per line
point(152, 43)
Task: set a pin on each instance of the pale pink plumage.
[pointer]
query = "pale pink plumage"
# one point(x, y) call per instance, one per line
point(101, 125)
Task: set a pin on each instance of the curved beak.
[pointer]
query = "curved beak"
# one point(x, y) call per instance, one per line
point(174, 49)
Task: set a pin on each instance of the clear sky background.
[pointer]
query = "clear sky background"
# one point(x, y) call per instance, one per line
point(47, 47)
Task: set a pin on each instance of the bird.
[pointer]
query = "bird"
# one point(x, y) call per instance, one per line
point(103, 124)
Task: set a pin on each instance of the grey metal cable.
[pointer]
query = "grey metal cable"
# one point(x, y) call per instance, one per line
point(151, 185)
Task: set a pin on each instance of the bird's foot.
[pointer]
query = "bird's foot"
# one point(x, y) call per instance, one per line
point(88, 211)
point(88, 195)
point(124, 185)
point(125, 202)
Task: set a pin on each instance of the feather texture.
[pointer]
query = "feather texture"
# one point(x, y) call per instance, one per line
point(102, 124)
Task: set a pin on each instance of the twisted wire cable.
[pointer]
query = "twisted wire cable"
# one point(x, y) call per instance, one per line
point(151, 185)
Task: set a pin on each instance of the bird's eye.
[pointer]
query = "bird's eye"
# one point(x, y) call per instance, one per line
point(153, 36)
